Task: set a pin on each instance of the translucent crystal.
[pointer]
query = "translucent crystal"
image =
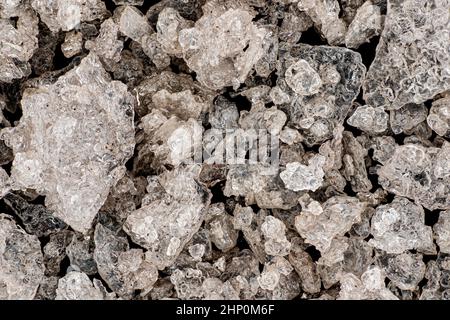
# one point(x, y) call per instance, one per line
point(81, 254)
point(188, 283)
point(77, 286)
point(166, 224)
point(442, 231)
point(411, 62)
point(36, 218)
point(439, 116)
point(124, 270)
point(300, 177)
point(369, 119)
point(325, 15)
point(106, 45)
point(419, 173)
point(73, 44)
point(353, 163)
point(338, 216)
point(400, 226)
point(405, 270)
point(88, 122)
point(222, 47)
point(132, 23)
point(274, 231)
point(366, 24)
point(55, 251)
point(17, 45)
point(21, 261)
point(369, 287)
point(317, 115)
point(220, 225)
point(407, 117)
point(68, 14)
point(168, 27)
point(303, 79)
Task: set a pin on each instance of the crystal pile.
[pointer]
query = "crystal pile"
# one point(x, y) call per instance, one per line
point(224, 149)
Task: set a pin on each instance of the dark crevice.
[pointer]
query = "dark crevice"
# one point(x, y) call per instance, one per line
point(368, 51)
point(314, 253)
point(312, 37)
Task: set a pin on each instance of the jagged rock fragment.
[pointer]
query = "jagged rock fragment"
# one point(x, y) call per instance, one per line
point(21, 262)
point(439, 117)
point(75, 148)
point(77, 286)
point(367, 23)
point(400, 226)
point(369, 119)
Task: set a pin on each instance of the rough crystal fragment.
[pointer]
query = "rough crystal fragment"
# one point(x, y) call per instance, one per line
point(325, 15)
point(370, 286)
point(442, 231)
point(75, 148)
point(303, 79)
point(21, 262)
point(72, 44)
point(222, 47)
point(439, 116)
point(411, 63)
point(370, 120)
point(274, 231)
point(404, 270)
point(68, 14)
point(338, 216)
point(399, 226)
point(168, 27)
point(407, 117)
point(166, 224)
point(17, 45)
point(366, 24)
point(341, 72)
point(106, 45)
point(221, 230)
point(77, 286)
point(300, 177)
point(419, 173)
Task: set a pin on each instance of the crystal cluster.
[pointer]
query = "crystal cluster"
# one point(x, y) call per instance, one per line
point(224, 149)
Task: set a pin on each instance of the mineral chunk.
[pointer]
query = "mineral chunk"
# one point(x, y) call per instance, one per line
point(442, 231)
point(68, 14)
point(439, 116)
point(338, 215)
point(74, 149)
point(300, 177)
point(222, 47)
point(17, 45)
point(369, 119)
point(21, 262)
point(366, 24)
point(399, 226)
point(411, 63)
point(77, 286)
point(167, 223)
point(419, 173)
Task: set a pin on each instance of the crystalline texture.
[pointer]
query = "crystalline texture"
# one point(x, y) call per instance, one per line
point(439, 117)
point(167, 223)
point(300, 177)
point(68, 14)
point(366, 24)
point(73, 140)
point(77, 286)
point(442, 231)
point(400, 226)
point(341, 72)
point(419, 173)
point(411, 63)
point(21, 262)
point(17, 45)
point(222, 47)
point(338, 216)
point(370, 120)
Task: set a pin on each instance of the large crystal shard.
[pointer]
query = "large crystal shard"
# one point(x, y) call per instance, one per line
point(419, 173)
point(77, 286)
point(17, 45)
point(222, 47)
point(318, 97)
point(411, 63)
point(337, 216)
point(73, 140)
point(68, 14)
point(166, 223)
point(399, 226)
point(21, 261)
